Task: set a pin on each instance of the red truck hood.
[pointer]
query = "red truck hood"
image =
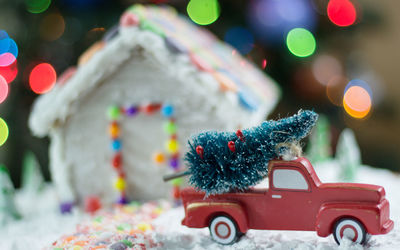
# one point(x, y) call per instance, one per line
point(353, 192)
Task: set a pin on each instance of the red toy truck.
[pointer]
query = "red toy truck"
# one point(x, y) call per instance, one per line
point(295, 200)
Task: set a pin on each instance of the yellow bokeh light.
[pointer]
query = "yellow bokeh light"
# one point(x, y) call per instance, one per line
point(357, 102)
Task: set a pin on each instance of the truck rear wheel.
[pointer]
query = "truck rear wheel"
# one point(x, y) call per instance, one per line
point(224, 230)
point(351, 229)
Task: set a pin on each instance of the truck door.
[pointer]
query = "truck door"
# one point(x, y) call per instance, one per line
point(291, 203)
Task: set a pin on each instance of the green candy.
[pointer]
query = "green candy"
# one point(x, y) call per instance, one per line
point(177, 182)
point(127, 243)
point(147, 25)
point(170, 128)
point(114, 112)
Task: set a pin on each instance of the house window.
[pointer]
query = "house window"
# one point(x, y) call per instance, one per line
point(289, 179)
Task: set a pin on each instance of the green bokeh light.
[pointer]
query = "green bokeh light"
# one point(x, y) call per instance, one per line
point(3, 131)
point(37, 6)
point(300, 42)
point(203, 12)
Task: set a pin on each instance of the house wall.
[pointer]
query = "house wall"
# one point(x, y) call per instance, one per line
point(199, 104)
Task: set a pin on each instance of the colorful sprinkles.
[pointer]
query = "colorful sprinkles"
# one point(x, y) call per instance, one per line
point(115, 114)
point(206, 52)
point(124, 227)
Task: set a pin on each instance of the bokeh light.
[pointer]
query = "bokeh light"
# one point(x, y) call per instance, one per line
point(341, 12)
point(335, 89)
point(240, 38)
point(357, 102)
point(3, 132)
point(264, 63)
point(3, 89)
point(42, 78)
point(300, 42)
point(203, 12)
point(6, 59)
point(3, 34)
point(325, 67)
point(8, 50)
point(361, 83)
point(9, 72)
point(37, 6)
point(52, 27)
point(270, 20)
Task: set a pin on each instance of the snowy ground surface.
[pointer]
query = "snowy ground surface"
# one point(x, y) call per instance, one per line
point(42, 224)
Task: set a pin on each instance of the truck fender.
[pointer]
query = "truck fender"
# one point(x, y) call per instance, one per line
point(329, 213)
point(199, 214)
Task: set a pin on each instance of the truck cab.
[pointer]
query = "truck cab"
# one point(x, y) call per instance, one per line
point(295, 200)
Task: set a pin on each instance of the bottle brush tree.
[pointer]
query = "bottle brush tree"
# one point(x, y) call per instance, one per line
point(348, 155)
point(8, 211)
point(319, 147)
point(220, 162)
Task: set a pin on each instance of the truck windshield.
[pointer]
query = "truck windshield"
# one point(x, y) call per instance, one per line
point(289, 179)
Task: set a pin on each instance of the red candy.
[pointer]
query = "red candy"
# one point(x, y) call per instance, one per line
point(129, 19)
point(117, 161)
point(176, 192)
point(151, 108)
point(66, 75)
point(92, 204)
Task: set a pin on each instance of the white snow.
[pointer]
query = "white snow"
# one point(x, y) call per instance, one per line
point(42, 224)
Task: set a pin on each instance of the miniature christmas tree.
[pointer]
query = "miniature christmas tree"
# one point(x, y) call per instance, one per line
point(319, 147)
point(348, 155)
point(226, 161)
point(8, 211)
point(32, 178)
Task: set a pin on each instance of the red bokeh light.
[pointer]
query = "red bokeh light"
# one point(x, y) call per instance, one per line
point(42, 78)
point(10, 72)
point(341, 12)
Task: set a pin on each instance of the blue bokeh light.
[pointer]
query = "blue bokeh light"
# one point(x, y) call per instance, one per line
point(360, 83)
point(271, 20)
point(240, 38)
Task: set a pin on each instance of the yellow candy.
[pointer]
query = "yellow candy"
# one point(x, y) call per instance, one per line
point(159, 158)
point(172, 146)
point(76, 248)
point(158, 211)
point(144, 226)
point(114, 130)
point(120, 184)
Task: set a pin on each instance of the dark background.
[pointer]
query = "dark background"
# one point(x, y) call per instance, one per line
point(369, 46)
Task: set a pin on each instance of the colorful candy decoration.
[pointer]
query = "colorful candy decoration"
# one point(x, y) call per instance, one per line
point(115, 114)
point(92, 204)
point(124, 227)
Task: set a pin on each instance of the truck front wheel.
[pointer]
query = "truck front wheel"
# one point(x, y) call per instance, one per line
point(224, 230)
point(351, 229)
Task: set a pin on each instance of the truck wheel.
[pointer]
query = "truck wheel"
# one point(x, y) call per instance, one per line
point(223, 230)
point(351, 229)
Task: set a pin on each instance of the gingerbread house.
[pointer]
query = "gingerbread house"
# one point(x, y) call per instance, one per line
point(139, 93)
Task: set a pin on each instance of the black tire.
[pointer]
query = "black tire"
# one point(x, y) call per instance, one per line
point(224, 230)
point(350, 228)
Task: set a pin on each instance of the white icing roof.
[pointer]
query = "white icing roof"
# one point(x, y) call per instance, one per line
point(163, 33)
